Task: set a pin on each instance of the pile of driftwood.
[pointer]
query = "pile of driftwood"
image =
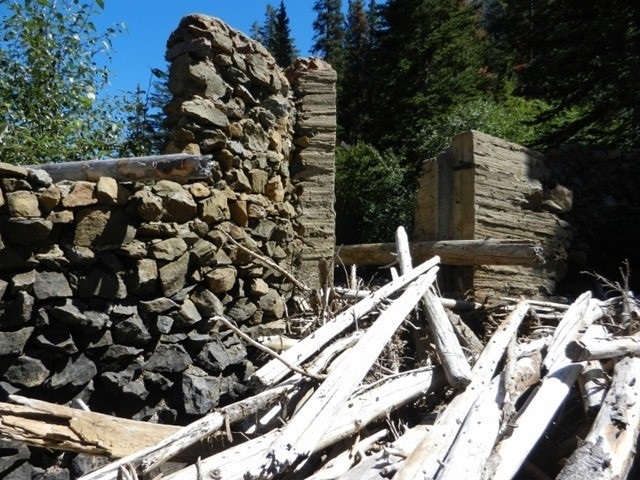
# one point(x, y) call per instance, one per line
point(340, 403)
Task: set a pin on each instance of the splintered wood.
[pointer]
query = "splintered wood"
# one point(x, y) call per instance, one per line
point(397, 383)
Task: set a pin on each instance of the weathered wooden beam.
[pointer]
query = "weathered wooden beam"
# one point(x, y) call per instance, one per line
point(47, 425)
point(177, 167)
point(451, 252)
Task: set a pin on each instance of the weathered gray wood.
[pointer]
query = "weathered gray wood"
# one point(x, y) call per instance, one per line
point(426, 459)
point(305, 429)
point(603, 347)
point(273, 371)
point(154, 455)
point(176, 167)
point(452, 252)
point(448, 347)
point(233, 463)
point(609, 448)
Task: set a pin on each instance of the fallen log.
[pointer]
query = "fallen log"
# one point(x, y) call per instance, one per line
point(42, 424)
point(176, 167)
point(426, 459)
point(303, 432)
point(274, 371)
point(603, 347)
point(448, 347)
point(362, 409)
point(451, 252)
point(609, 448)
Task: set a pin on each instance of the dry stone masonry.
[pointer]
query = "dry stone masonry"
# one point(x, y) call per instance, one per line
point(107, 285)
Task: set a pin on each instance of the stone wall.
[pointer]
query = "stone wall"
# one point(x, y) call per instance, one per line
point(484, 187)
point(107, 286)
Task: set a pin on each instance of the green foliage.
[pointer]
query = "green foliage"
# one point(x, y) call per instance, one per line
point(372, 196)
point(275, 35)
point(143, 117)
point(329, 31)
point(509, 117)
point(50, 82)
point(429, 57)
point(582, 59)
point(354, 96)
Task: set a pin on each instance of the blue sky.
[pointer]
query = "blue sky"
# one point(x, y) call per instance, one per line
point(150, 22)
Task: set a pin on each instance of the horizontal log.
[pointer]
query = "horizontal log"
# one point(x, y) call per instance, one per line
point(177, 167)
point(451, 252)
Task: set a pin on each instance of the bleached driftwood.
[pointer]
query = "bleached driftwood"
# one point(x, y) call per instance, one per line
point(603, 347)
point(452, 252)
point(426, 459)
point(305, 429)
point(154, 455)
point(446, 302)
point(593, 382)
point(362, 409)
point(343, 462)
point(274, 370)
point(467, 337)
point(533, 419)
point(448, 347)
point(177, 167)
point(47, 425)
point(486, 420)
point(609, 448)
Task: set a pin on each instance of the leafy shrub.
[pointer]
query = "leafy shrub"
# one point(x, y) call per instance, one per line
point(373, 194)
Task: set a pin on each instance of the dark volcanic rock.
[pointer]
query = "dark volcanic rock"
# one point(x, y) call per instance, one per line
point(168, 358)
point(77, 372)
point(26, 372)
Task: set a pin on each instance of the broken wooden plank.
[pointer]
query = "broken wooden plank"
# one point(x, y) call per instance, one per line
point(47, 425)
point(360, 410)
point(305, 429)
point(177, 167)
point(152, 456)
point(603, 347)
point(451, 252)
point(426, 459)
point(609, 449)
point(274, 371)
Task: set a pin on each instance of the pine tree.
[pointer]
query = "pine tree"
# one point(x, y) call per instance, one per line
point(275, 35)
point(353, 92)
point(429, 58)
point(329, 31)
point(582, 57)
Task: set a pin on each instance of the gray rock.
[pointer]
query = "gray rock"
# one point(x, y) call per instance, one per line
point(168, 358)
point(204, 111)
point(27, 231)
point(119, 355)
point(103, 226)
point(164, 324)
point(173, 276)
point(57, 340)
point(150, 206)
point(272, 304)
point(13, 342)
point(23, 281)
point(51, 285)
point(131, 332)
point(200, 393)
point(23, 204)
point(168, 249)
point(216, 355)
point(207, 303)
point(157, 305)
point(26, 372)
point(242, 310)
point(101, 283)
point(17, 311)
point(14, 456)
point(187, 315)
point(76, 373)
point(177, 202)
point(69, 314)
point(215, 208)
point(145, 277)
point(204, 252)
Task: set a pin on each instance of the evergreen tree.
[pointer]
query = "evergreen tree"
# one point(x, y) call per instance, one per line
point(429, 58)
point(275, 35)
point(353, 93)
point(582, 57)
point(329, 31)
